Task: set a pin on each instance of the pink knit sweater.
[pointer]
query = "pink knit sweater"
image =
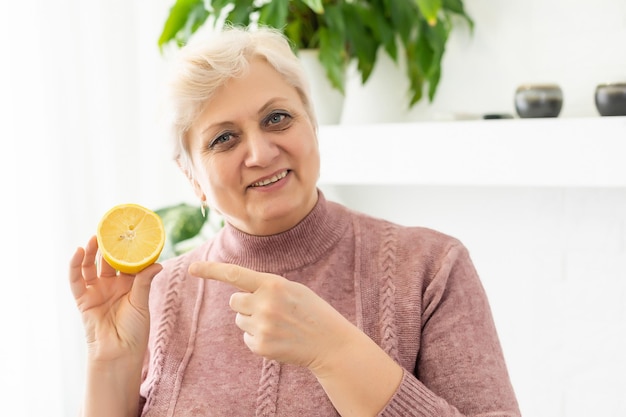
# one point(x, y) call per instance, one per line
point(414, 291)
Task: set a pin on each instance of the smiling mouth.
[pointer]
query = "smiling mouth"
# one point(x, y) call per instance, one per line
point(271, 180)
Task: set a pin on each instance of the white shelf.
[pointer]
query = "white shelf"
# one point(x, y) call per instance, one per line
point(585, 152)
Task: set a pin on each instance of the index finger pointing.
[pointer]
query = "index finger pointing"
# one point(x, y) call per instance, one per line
point(243, 278)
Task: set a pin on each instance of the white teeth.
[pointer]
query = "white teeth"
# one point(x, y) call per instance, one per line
point(270, 180)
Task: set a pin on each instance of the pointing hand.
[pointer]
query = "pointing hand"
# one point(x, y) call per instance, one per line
point(281, 319)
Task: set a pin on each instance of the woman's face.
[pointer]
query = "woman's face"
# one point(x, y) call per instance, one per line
point(255, 153)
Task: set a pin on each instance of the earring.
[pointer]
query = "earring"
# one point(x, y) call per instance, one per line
point(203, 205)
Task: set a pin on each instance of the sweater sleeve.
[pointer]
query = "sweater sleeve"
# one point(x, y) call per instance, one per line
point(460, 368)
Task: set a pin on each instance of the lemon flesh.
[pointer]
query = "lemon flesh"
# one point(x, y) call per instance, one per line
point(130, 237)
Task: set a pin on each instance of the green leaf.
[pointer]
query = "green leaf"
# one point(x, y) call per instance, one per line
point(274, 14)
point(422, 51)
point(402, 15)
point(315, 5)
point(415, 75)
point(293, 31)
point(429, 9)
point(240, 15)
point(181, 222)
point(456, 7)
point(362, 44)
point(433, 80)
point(197, 18)
point(177, 19)
point(335, 18)
point(331, 55)
point(437, 38)
point(218, 6)
point(381, 29)
point(302, 25)
point(438, 35)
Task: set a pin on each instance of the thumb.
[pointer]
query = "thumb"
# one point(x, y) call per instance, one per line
point(140, 292)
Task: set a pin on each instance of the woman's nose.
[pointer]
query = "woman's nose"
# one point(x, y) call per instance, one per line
point(261, 150)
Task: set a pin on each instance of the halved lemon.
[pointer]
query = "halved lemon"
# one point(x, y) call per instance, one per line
point(130, 237)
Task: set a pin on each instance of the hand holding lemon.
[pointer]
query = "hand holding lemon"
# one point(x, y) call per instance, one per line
point(110, 280)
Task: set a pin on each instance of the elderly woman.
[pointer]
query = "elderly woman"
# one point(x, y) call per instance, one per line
point(298, 306)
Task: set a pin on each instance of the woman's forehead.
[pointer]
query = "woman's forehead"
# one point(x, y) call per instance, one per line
point(252, 93)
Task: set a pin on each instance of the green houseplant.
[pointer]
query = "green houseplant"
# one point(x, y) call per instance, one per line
point(341, 30)
point(185, 228)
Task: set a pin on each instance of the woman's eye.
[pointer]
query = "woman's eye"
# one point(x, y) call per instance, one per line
point(276, 118)
point(221, 139)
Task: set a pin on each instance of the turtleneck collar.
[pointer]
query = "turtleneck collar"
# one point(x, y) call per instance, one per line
point(289, 250)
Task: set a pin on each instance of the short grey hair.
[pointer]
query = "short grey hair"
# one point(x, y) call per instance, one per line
point(209, 60)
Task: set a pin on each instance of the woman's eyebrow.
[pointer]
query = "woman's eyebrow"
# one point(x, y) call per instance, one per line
point(270, 103)
point(216, 126)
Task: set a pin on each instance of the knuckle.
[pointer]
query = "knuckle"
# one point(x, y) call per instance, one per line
point(232, 274)
point(276, 286)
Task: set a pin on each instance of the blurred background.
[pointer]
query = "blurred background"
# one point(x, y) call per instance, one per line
point(81, 123)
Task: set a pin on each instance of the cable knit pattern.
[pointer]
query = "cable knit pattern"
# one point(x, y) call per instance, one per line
point(412, 290)
point(193, 331)
point(388, 336)
point(268, 389)
point(163, 332)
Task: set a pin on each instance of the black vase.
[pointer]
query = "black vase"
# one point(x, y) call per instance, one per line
point(611, 99)
point(538, 100)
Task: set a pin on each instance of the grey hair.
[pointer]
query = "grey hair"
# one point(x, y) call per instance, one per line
point(208, 61)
